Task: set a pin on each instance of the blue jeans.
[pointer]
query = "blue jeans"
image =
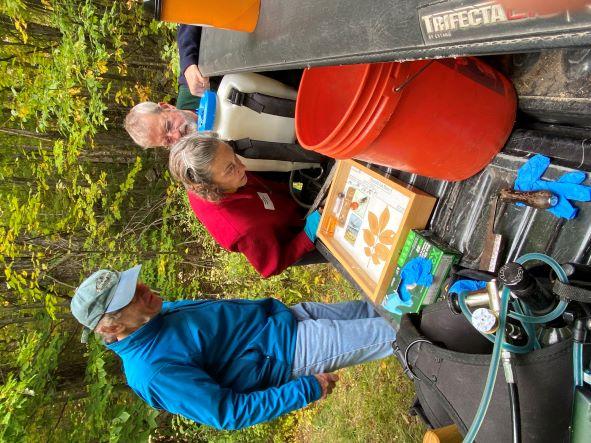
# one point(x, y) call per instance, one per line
point(333, 336)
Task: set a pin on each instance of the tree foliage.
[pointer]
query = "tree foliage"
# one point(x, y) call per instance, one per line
point(77, 195)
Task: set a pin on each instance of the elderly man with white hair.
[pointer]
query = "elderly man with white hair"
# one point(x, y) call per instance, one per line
point(152, 124)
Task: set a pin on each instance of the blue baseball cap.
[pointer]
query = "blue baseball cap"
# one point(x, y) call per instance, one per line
point(103, 292)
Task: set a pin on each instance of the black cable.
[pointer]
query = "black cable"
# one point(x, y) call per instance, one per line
point(515, 413)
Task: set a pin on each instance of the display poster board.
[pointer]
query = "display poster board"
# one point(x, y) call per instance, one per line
point(365, 222)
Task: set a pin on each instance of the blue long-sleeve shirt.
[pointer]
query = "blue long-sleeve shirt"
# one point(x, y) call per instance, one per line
point(226, 364)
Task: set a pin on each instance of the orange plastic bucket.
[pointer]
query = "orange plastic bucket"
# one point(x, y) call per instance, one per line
point(375, 79)
point(237, 15)
point(381, 106)
point(376, 115)
point(352, 78)
point(445, 119)
point(402, 73)
point(450, 122)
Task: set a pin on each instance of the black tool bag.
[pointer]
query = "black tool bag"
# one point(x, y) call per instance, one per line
point(448, 362)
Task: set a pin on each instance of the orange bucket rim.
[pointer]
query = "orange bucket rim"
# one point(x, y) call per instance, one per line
point(382, 113)
point(386, 80)
point(352, 123)
point(350, 108)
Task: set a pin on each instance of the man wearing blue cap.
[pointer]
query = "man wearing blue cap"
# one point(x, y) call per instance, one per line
point(227, 363)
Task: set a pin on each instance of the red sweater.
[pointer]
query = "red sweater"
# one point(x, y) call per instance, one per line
point(271, 239)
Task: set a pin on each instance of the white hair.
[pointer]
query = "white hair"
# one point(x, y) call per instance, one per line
point(135, 124)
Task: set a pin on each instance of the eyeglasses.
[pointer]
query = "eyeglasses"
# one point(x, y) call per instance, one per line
point(168, 138)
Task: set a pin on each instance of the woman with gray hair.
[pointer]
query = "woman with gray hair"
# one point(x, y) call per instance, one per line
point(243, 212)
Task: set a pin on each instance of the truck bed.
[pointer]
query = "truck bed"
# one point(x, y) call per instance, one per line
point(461, 215)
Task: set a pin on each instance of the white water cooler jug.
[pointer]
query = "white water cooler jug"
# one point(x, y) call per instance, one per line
point(245, 106)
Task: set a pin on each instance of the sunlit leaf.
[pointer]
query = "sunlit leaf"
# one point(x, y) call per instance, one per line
point(387, 237)
point(384, 219)
point(368, 237)
point(382, 251)
point(373, 223)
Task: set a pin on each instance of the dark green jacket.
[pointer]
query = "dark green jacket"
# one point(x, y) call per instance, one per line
point(186, 100)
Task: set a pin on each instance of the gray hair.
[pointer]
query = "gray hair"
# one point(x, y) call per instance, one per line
point(190, 163)
point(135, 124)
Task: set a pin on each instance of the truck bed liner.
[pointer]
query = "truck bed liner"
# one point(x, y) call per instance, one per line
point(461, 214)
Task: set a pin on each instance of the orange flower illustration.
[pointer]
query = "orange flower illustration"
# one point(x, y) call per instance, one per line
point(377, 238)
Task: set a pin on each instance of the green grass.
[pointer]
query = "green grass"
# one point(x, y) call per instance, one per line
point(370, 404)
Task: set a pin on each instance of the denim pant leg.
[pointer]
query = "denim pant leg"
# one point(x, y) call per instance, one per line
point(327, 345)
point(348, 310)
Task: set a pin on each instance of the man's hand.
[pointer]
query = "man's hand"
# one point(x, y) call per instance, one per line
point(196, 82)
point(327, 383)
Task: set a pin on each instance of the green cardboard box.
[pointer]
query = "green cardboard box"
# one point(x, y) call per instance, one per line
point(421, 244)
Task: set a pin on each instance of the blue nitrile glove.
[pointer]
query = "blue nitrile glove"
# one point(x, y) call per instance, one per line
point(393, 303)
point(311, 226)
point(568, 187)
point(415, 272)
point(466, 286)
